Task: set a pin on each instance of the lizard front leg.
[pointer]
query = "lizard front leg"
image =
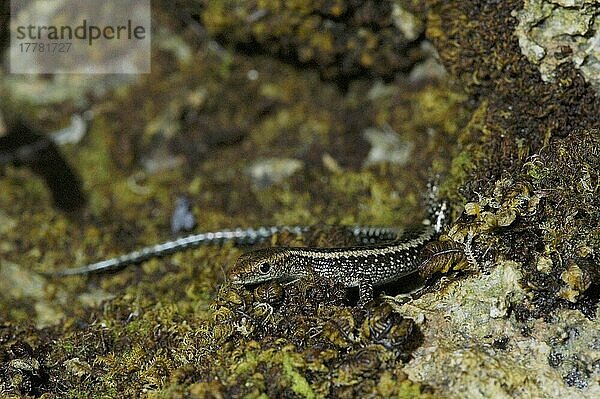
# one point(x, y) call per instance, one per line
point(365, 291)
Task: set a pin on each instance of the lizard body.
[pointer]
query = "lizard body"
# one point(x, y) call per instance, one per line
point(361, 266)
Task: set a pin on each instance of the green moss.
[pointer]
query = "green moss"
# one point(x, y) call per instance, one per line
point(247, 365)
point(408, 389)
point(521, 152)
point(515, 165)
point(160, 328)
point(299, 383)
point(366, 37)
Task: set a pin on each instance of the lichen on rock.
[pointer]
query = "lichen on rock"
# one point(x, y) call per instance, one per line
point(553, 32)
point(298, 85)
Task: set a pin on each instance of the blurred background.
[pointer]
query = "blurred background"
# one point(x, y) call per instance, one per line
point(322, 113)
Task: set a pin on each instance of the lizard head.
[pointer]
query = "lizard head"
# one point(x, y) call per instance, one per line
point(261, 265)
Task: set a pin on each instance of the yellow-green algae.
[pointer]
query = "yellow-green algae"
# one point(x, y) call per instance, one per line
point(524, 162)
point(152, 329)
point(340, 39)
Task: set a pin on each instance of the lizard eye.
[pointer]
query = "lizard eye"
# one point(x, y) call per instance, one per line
point(264, 268)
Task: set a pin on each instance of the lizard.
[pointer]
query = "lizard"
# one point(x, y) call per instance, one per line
point(386, 256)
point(361, 266)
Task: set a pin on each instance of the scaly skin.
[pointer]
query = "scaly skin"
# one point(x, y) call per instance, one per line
point(239, 236)
point(362, 266)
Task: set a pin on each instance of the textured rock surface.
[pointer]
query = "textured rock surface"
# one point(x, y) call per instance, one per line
point(517, 147)
point(554, 32)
